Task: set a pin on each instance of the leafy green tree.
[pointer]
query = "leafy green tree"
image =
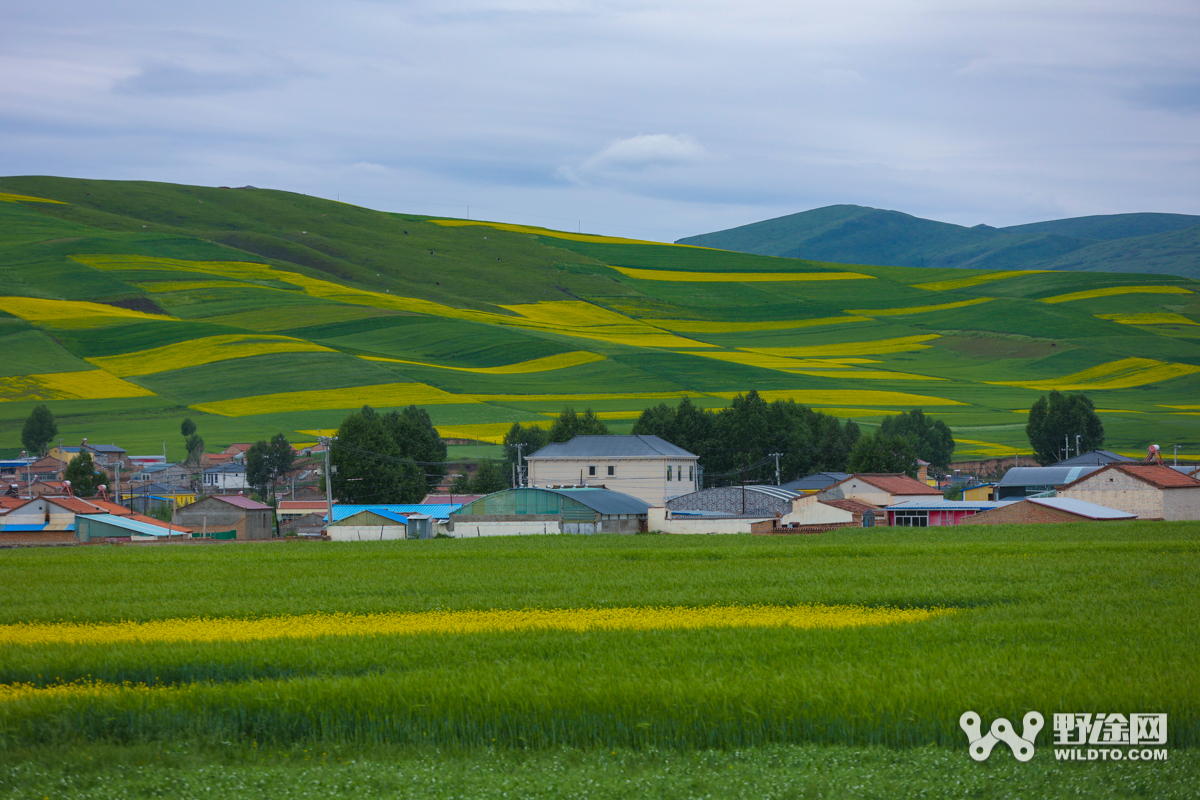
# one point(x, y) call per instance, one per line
point(533, 438)
point(489, 478)
point(413, 432)
point(880, 452)
point(368, 467)
point(81, 472)
point(267, 462)
point(1055, 422)
point(569, 425)
point(187, 427)
point(932, 439)
point(39, 430)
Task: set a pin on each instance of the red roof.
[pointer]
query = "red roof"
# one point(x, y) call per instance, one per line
point(301, 504)
point(73, 504)
point(111, 508)
point(234, 449)
point(12, 502)
point(853, 506)
point(1156, 475)
point(241, 502)
point(894, 483)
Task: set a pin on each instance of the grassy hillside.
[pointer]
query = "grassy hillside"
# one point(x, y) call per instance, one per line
point(1156, 243)
point(128, 306)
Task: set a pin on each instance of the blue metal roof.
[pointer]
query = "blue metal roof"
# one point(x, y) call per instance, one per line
point(438, 511)
point(132, 525)
point(379, 512)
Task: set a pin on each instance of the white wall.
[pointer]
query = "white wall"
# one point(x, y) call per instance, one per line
point(367, 533)
point(469, 530)
point(657, 521)
point(643, 478)
point(815, 513)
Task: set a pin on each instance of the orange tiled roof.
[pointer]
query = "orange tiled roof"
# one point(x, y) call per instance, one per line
point(1154, 474)
point(853, 506)
point(895, 483)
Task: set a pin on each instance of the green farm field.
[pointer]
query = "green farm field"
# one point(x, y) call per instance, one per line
point(129, 306)
point(1080, 618)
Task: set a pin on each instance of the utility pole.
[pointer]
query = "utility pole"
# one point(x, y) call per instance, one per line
point(521, 476)
point(1176, 461)
point(1077, 438)
point(1067, 443)
point(328, 442)
point(777, 455)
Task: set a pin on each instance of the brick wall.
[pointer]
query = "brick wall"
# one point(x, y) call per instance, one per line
point(1115, 489)
point(1021, 513)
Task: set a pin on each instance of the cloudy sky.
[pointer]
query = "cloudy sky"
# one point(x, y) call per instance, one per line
point(648, 119)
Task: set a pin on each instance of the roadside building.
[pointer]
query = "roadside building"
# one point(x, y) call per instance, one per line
point(1046, 510)
point(369, 525)
point(879, 489)
point(646, 467)
point(816, 482)
point(816, 515)
point(228, 477)
point(760, 501)
point(1021, 482)
point(440, 513)
point(1151, 491)
point(663, 520)
point(534, 510)
point(936, 512)
point(110, 527)
point(251, 519)
point(290, 510)
point(983, 491)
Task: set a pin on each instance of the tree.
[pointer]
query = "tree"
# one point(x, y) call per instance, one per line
point(533, 438)
point(415, 437)
point(932, 439)
point(461, 484)
point(879, 452)
point(368, 466)
point(39, 430)
point(488, 478)
point(187, 428)
point(267, 462)
point(1055, 422)
point(569, 425)
point(81, 472)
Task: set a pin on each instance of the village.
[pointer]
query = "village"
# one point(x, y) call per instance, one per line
point(623, 484)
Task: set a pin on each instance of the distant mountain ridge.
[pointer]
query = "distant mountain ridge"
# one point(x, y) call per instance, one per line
point(848, 234)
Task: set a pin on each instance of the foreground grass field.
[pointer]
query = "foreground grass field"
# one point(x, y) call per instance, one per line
point(128, 306)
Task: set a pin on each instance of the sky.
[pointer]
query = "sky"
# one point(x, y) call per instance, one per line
point(648, 120)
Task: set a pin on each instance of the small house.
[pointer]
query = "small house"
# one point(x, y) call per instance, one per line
point(1043, 510)
point(1152, 491)
point(879, 489)
point(531, 510)
point(228, 477)
point(823, 514)
point(251, 519)
point(936, 512)
point(367, 525)
point(646, 467)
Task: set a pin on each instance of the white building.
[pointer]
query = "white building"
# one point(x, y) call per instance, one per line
point(224, 477)
point(646, 467)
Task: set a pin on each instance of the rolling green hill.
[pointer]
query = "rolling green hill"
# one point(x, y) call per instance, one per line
point(127, 306)
point(1156, 243)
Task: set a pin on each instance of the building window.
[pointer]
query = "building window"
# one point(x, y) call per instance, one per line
point(591, 471)
point(692, 473)
point(912, 519)
point(612, 471)
point(668, 472)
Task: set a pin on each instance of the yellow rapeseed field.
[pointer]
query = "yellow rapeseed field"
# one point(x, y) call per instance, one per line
point(974, 447)
point(485, 431)
point(1126, 373)
point(206, 350)
point(70, 313)
point(574, 237)
point(891, 312)
point(9, 197)
point(737, 277)
point(963, 283)
point(704, 326)
point(159, 287)
point(871, 374)
point(86, 385)
point(878, 347)
point(848, 397)
point(1163, 318)
point(309, 626)
point(1112, 291)
point(385, 395)
point(781, 363)
point(545, 364)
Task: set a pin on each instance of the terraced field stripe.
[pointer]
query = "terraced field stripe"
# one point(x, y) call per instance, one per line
point(1162, 318)
point(1126, 373)
point(9, 197)
point(963, 283)
point(899, 344)
point(385, 395)
point(1113, 291)
point(92, 384)
point(894, 312)
point(205, 350)
point(310, 626)
point(703, 326)
point(493, 432)
point(738, 277)
point(545, 364)
point(574, 237)
point(63, 313)
point(987, 449)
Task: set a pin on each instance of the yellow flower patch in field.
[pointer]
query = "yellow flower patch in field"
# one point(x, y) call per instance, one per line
point(704, 326)
point(848, 397)
point(781, 363)
point(963, 283)
point(737, 277)
point(486, 431)
point(70, 313)
point(574, 237)
point(9, 197)
point(581, 620)
point(1162, 318)
point(386, 395)
point(160, 287)
point(901, 344)
point(86, 385)
point(545, 364)
point(1124, 374)
point(1113, 291)
point(870, 374)
point(892, 312)
point(589, 321)
point(974, 447)
point(206, 350)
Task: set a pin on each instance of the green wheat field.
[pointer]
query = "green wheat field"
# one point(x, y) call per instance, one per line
point(128, 306)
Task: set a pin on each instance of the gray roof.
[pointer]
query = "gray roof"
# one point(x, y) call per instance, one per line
point(1094, 458)
point(599, 447)
point(229, 466)
point(1044, 476)
point(1081, 507)
point(605, 501)
point(105, 448)
point(815, 482)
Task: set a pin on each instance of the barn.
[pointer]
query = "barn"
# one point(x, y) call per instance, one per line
point(514, 512)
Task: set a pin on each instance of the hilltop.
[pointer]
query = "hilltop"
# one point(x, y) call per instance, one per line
point(126, 306)
point(1144, 243)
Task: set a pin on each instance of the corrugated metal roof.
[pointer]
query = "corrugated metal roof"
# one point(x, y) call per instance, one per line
point(379, 512)
point(1081, 507)
point(241, 502)
point(133, 525)
point(1044, 476)
point(341, 511)
point(604, 501)
point(612, 447)
point(816, 481)
point(942, 504)
point(1094, 458)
